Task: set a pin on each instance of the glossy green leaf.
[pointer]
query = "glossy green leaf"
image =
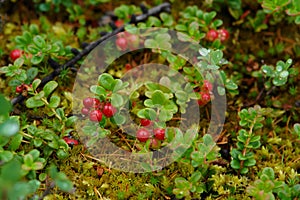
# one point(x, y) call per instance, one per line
point(15, 142)
point(22, 76)
point(268, 70)
point(98, 90)
point(6, 156)
point(62, 154)
point(106, 81)
point(19, 62)
point(147, 113)
point(36, 83)
point(34, 29)
point(244, 170)
point(167, 19)
point(208, 140)
point(32, 73)
point(250, 162)
point(235, 164)
point(5, 107)
point(255, 138)
point(71, 120)
point(153, 21)
point(50, 87)
point(33, 103)
point(151, 43)
point(39, 96)
point(53, 144)
point(181, 95)
point(37, 59)
point(117, 100)
point(230, 85)
point(216, 56)
point(165, 115)
point(297, 128)
point(28, 160)
point(9, 128)
point(45, 7)
point(54, 101)
point(39, 41)
point(32, 49)
point(158, 98)
point(11, 172)
point(35, 153)
point(254, 145)
point(60, 179)
point(195, 177)
point(269, 172)
point(118, 119)
point(60, 112)
point(37, 142)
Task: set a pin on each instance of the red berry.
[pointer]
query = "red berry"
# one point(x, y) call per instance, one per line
point(128, 67)
point(154, 143)
point(88, 102)
point(109, 110)
point(70, 141)
point(146, 122)
point(91, 102)
point(143, 135)
point(121, 44)
point(85, 111)
point(95, 116)
point(133, 104)
point(223, 34)
point(119, 23)
point(212, 35)
point(26, 87)
point(207, 86)
point(205, 96)
point(133, 41)
point(159, 133)
point(15, 54)
point(19, 88)
point(201, 103)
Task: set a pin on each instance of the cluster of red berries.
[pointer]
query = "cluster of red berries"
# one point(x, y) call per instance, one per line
point(143, 134)
point(206, 88)
point(221, 34)
point(20, 88)
point(94, 108)
point(126, 41)
point(15, 54)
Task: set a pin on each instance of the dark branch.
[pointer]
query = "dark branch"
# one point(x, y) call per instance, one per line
point(53, 63)
point(75, 51)
point(143, 8)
